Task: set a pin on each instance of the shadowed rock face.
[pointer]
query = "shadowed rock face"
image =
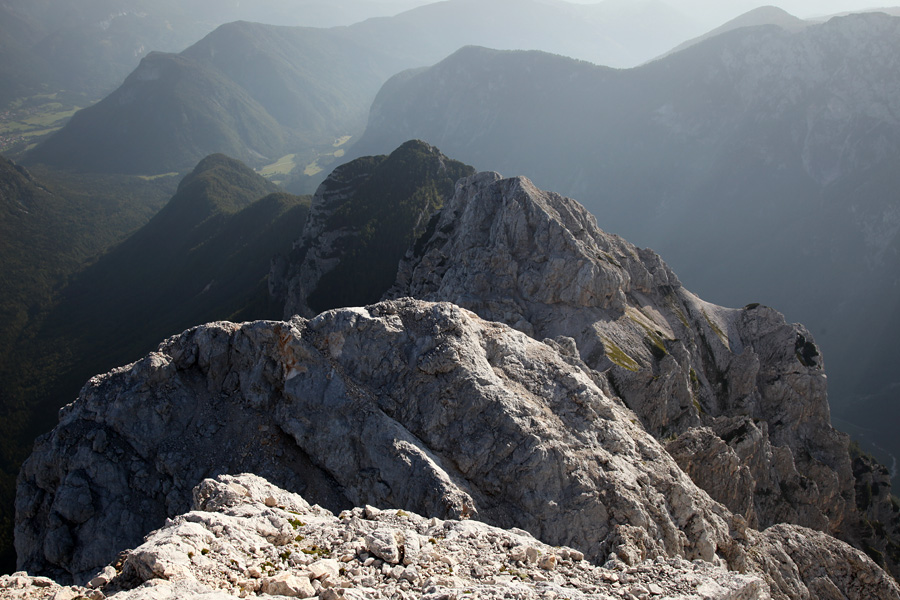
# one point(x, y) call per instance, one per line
point(363, 218)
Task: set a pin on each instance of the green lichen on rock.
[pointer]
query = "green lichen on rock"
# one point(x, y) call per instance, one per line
point(618, 356)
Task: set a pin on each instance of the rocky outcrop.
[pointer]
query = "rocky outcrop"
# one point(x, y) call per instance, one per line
point(401, 404)
point(737, 395)
point(406, 404)
point(363, 218)
point(245, 536)
point(879, 509)
point(537, 261)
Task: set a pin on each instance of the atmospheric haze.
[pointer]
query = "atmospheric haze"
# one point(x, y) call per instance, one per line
point(712, 13)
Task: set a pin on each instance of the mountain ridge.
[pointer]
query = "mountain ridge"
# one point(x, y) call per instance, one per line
point(764, 15)
point(316, 84)
point(698, 151)
point(485, 421)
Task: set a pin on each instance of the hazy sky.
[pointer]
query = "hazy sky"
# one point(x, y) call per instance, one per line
point(732, 8)
point(712, 13)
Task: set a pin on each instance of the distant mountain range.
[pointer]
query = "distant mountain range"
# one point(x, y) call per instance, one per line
point(259, 92)
point(89, 47)
point(760, 162)
point(84, 51)
point(764, 15)
point(252, 91)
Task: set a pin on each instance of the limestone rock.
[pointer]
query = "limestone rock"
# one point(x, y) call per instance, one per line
point(383, 544)
point(347, 408)
point(285, 584)
point(459, 559)
point(879, 508)
point(513, 434)
point(737, 394)
point(814, 565)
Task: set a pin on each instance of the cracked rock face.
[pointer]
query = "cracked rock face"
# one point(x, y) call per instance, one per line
point(738, 395)
point(403, 404)
point(406, 404)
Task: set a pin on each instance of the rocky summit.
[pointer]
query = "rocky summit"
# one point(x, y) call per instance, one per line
point(244, 536)
point(547, 378)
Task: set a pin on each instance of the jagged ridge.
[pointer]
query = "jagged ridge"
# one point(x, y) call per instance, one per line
point(426, 406)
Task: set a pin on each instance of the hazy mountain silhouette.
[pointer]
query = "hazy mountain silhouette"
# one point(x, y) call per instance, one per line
point(135, 126)
point(258, 92)
point(764, 15)
point(252, 91)
point(90, 46)
point(618, 34)
point(761, 162)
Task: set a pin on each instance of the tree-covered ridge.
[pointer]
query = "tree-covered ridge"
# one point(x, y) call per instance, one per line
point(162, 119)
point(203, 257)
point(51, 225)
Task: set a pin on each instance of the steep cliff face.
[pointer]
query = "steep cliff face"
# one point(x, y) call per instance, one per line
point(363, 218)
point(879, 509)
point(740, 388)
point(737, 395)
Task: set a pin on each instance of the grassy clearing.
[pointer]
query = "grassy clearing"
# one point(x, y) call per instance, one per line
point(312, 169)
point(54, 117)
point(618, 356)
point(155, 177)
point(27, 121)
point(283, 166)
point(320, 159)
